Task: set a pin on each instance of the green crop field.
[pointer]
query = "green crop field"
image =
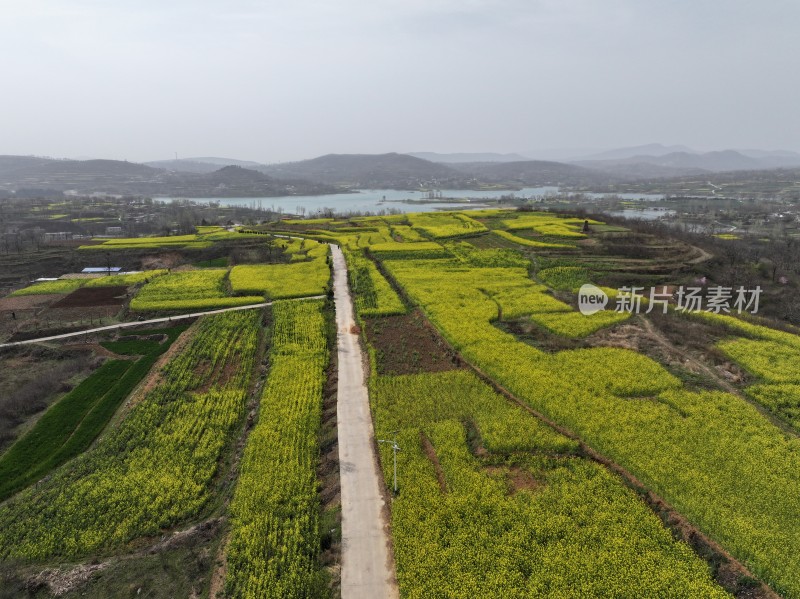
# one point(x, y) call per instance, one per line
point(204, 238)
point(46, 287)
point(153, 471)
point(542, 452)
point(711, 455)
point(128, 280)
point(373, 294)
point(275, 508)
point(527, 242)
point(280, 281)
point(547, 224)
point(189, 290)
point(508, 509)
point(445, 224)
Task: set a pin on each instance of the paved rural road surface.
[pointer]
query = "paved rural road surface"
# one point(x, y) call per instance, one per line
point(136, 323)
point(367, 571)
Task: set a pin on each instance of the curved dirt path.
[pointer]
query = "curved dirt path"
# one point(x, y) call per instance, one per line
point(367, 566)
point(713, 375)
point(703, 257)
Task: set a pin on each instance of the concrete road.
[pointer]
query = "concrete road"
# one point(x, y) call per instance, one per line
point(137, 323)
point(367, 570)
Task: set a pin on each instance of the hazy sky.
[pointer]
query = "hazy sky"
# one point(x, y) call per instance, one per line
point(273, 81)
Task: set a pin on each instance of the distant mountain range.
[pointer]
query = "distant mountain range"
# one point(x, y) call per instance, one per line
point(227, 177)
point(535, 173)
point(38, 176)
point(324, 174)
point(402, 171)
point(645, 150)
point(469, 157)
point(690, 163)
point(646, 161)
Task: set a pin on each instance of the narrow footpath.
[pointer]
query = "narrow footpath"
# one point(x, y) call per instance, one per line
point(138, 323)
point(367, 570)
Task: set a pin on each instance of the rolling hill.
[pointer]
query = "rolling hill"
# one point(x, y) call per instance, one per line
point(686, 163)
point(94, 175)
point(535, 173)
point(201, 165)
point(392, 170)
point(468, 157)
point(46, 177)
point(12, 164)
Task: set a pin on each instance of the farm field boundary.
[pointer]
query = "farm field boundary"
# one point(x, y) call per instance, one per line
point(71, 425)
point(157, 469)
point(730, 569)
point(125, 325)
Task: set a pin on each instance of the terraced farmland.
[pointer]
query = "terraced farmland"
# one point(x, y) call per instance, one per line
point(542, 452)
point(156, 469)
point(711, 455)
point(494, 503)
point(275, 507)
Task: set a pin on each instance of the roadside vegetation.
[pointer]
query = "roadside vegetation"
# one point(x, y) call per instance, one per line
point(275, 510)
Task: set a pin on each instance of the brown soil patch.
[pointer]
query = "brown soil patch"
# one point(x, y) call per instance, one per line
point(220, 571)
point(77, 242)
point(28, 302)
point(328, 467)
point(517, 478)
point(693, 335)
point(328, 476)
point(532, 334)
point(42, 329)
point(522, 479)
point(82, 318)
point(685, 345)
point(202, 370)
point(407, 344)
point(98, 350)
point(60, 582)
point(166, 260)
point(201, 532)
point(88, 297)
point(625, 336)
point(430, 452)
point(219, 377)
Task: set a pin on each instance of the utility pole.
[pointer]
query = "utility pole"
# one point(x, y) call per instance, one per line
point(395, 449)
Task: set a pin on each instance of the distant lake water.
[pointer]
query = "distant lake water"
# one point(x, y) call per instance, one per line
point(650, 197)
point(374, 200)
point(642, 213)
